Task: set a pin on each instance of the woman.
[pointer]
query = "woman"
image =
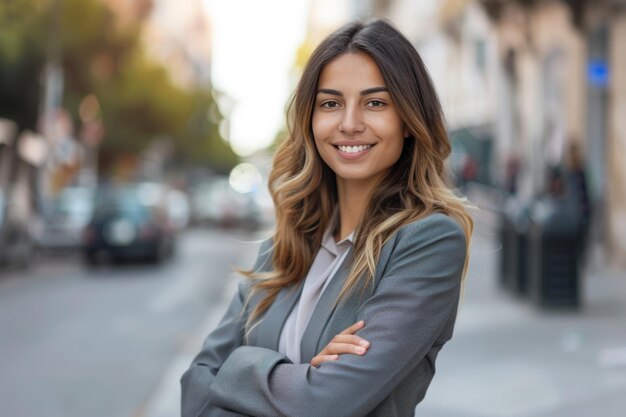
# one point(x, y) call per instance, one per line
point(349, 303)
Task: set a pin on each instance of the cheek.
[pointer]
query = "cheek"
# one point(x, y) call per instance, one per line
point(315, 129)
point(393, 130)
point(396, 135)
point(323, 125)
point(318, 128)
point(322, 129)
point(395, 151)
point(317, 138)
point(320, 148)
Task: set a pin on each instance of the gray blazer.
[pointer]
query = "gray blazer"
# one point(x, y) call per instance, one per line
point(409, 314)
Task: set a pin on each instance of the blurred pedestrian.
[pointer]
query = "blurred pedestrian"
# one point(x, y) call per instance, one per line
point(555, 183)
point(512, 168)
point(351, 300)
point(575, 180)
point(469, 170)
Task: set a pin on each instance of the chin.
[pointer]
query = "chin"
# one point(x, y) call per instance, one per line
point(356, 176)
point(350, 174)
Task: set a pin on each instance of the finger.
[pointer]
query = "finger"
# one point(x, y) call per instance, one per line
point(353, 329)
point(349, 338)
point(343, 339)
point(316, 361)
point(342, 348)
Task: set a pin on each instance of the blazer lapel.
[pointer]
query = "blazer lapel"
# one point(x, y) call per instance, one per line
point(323, 310)
point(268, 331)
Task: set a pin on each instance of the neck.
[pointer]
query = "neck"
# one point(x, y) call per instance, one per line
point(353, 197)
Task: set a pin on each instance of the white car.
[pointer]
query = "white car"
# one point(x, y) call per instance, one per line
point(65, 217)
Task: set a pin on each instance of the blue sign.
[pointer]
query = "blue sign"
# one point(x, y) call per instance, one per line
point(598, 72)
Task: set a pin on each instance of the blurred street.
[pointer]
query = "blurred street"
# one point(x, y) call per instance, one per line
point(82, 342)
point(136, 145)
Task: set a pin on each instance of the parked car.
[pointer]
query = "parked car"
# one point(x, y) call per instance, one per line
point(65, 217)
point(216, 203)
point(178, 208)
point(129, 222)
point(17, 246)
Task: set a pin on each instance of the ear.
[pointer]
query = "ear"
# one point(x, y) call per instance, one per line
point(406, 133)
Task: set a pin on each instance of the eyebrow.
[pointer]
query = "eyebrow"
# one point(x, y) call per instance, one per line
point(363, 93)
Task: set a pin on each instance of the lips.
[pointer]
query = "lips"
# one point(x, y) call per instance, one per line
point(353, 151)
point(354, 148)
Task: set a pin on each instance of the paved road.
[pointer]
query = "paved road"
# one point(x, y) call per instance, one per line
point(76, 342)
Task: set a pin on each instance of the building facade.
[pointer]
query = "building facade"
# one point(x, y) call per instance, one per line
point(562, 82)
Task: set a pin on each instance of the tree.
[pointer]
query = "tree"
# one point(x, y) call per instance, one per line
point(22, 55)
point(138, 100)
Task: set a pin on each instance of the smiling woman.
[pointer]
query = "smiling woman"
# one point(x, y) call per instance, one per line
point(357, 130)
point(350, 302)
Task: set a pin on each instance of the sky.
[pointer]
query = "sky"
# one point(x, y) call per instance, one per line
point(254, 48)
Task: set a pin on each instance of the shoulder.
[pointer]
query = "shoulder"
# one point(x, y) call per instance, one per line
point(435, 226)
point(434, 235)
point(432, 248)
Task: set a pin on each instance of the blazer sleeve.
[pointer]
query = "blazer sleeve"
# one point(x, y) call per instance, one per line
point(224, 339)
point(415, 299)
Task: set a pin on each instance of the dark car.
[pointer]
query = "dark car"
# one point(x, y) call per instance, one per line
point(128, 225)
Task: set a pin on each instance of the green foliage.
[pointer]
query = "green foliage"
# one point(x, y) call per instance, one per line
point(23, 23)
point(23, 26)
point(139, 102)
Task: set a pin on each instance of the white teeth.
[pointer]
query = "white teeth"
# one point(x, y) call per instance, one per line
point(354, 149)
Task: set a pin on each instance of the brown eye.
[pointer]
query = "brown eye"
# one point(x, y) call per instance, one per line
point(330, 104)
point(375, 103)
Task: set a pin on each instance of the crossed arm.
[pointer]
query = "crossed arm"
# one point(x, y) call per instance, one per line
point(404, 318)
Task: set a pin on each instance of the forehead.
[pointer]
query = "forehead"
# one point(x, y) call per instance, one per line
point(351, 70)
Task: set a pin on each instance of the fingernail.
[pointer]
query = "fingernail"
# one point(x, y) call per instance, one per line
point(364, 343)
point(360, 350)
point(361, 323)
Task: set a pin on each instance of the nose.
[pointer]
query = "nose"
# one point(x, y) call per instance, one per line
point(352, 120)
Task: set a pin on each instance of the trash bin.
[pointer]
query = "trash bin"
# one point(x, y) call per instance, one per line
point(513, 237)
point(553, 254)
point(505, 232)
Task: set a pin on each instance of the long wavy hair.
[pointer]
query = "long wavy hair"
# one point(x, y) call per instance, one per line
point(303, 187)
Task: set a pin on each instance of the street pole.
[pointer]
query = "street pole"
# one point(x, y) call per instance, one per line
point(52, 97)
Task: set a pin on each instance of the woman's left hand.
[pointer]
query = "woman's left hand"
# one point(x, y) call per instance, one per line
point(344, 342)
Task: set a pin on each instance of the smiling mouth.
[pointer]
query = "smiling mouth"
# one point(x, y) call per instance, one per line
point(353, 149)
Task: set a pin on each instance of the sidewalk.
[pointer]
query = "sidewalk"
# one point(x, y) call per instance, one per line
point(509, 359)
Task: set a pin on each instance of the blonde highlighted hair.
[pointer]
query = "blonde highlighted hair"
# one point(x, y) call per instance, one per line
point(303, 187)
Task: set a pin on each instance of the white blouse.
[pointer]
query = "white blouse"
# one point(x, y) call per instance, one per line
point(326, 263)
